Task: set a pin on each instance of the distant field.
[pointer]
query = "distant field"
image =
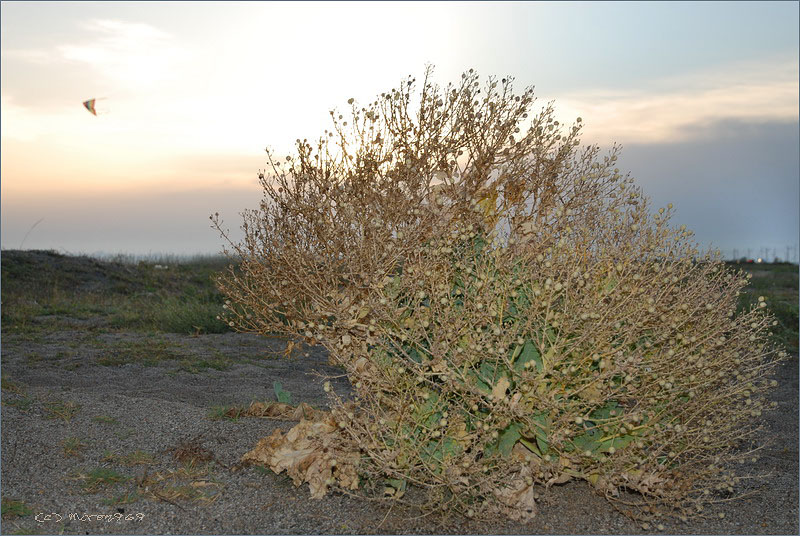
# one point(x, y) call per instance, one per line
point(778, 283)
point(129, 292)
point(164, 294)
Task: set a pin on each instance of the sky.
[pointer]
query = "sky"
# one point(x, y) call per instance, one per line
point(702, 97)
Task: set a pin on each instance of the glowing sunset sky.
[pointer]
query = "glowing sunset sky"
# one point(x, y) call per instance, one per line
point(703, 97)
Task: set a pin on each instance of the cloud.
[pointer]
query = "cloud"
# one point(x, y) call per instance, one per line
point(672, 109)
point(131, 54)
point(735, 183)
point(29, 55)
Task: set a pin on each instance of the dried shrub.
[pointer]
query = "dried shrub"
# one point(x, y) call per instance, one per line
point(508, 308)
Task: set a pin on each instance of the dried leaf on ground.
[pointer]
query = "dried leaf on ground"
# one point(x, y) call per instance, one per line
point(309, 453)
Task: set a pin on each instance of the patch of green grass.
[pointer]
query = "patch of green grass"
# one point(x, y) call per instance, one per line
point(72, 446)
point(778, 283)
point(137, 457)
point(58, 409)
point(22, 403)
point(126, 293)
point(128, 497)
point(188, 314)
point(12, 508)
point(122, 435)
point(216, 362)
point(147, 353)
point(10, 386)
point(232, 413)
point(104, 419)
point(64, 354)
point(99, 478)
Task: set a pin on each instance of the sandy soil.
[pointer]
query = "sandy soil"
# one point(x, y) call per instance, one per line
point(162, 409)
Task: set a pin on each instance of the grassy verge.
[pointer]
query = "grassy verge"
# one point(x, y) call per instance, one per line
point(43, 290)
point(778, 283)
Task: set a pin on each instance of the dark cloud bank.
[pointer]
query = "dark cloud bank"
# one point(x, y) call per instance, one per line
point(735, 183)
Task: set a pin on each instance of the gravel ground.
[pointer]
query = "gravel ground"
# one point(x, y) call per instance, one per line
point(162, 409)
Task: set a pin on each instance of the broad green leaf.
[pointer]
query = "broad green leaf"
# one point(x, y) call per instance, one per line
point(604, 413)
point(479, 383)
point(428, 414)
point(396, 483)
point(522, 300)
point(609, 284)
point(531, 446)
point(528, 353)
point(551, 335)
point(392, 289)
point(617, 443)
point(540, 430)
point(478, 245)
point(490, 372)
point(438, 451)
point(505, 441)
point(413, 354)
point(589, 440)
point(544, 446)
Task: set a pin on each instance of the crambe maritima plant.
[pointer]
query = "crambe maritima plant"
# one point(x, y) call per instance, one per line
point(511, 312)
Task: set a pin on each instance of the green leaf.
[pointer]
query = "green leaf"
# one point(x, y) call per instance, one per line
point(478, 244)
point(528, 353)
point(491, 371)
point(284, 397)
point(551, 335)
point(589, 440)
point(396, 483)
point(522, 299)
point(505, 441)
point(609, 284)
point(412, 353)
point(617, 443)
point(480, 384)
point(544, 446)
point(604, 413)
point(428, 414)
point(392, 289)
point(438, 451)
point(530, 446)
point(540, 430)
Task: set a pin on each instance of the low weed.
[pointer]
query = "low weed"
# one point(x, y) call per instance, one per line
point(128, 497)
point(99, 478)
point(216, 362)
point(148, 353)
point(22, 403)
point(12, 508)
point(136, 457)
point(58, 409)
point(191, 452)
point(190, 482)
point(232, 413)
point(72, 446)
point(10, 386)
